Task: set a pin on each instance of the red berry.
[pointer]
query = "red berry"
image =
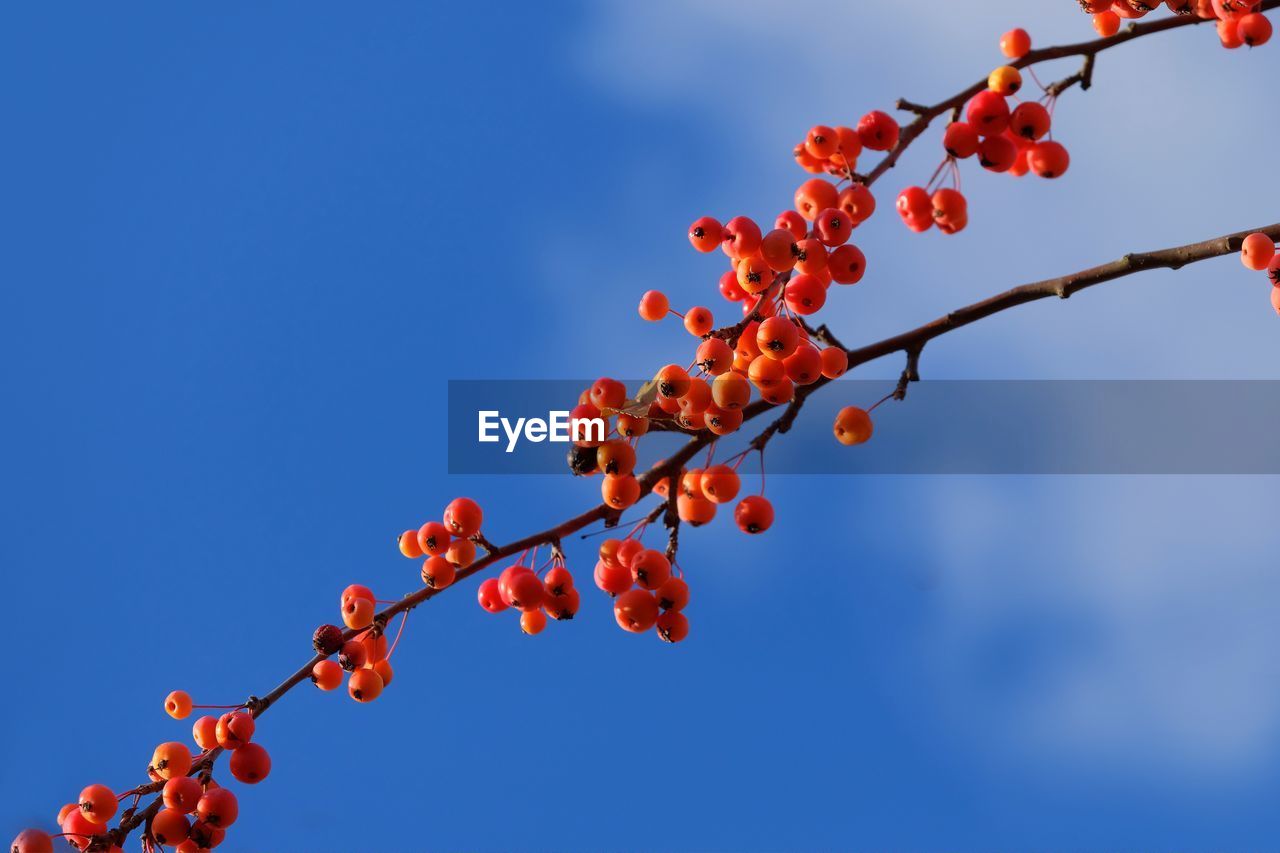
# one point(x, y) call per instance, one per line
point(988, 113)
point(705, 234)
point(250, 763)
point(1048, 159)
point(878, 131)
point(754, 514)
point(218, 808)
point(1257, 251)
point(636, 610)
point(654, 305)
point(1015, 44)
point(673, 626)
point(463, 517)
point(1029, 120)
point(997, 153)
point(960, 139)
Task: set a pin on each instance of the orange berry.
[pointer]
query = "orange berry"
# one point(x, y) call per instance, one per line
point(533, 621)
point(365, 685)
point(698, 321)
point(673, 626)
point(461, 553)
point(97, 804)
point(782, 391)
point(815, 195)
point(620, 491)
point(178, 703)
point(218, 808)
point(766, 371)
point(722, 421)
point(354, 654)
point(409, 544)
point(857, 201)
point(433, 538)
point(78, 830)
point(170, 760)
point(182, 793)
point(1005, 80)
point(356, 590)
point(777, 337)
point(235, 729)
point(804, 294)
point(490, 597)
point(778, 249)
point(636, 610)
point(694, 510)
point(705, 234)
point(437, 572)
point(250, 764)
point(1106, 23)
point(741, 237)
point(326, 674)
point(612, 577)
point(616, 457)
point(463, 517)
point(564, 606)
point(1257, 251)
point(821, 141)
point(673, 381)
point(730, 391)
point(835, 362)
point(1015, 44)
point(357, 614)
point(755, 275)
point(673, 594)
point(853, 426)
point(713, 355)
point(205, 732)
point(720, 483)
point(654, 305)
point(32, 841)
point(170, 827)
point(650, 569)
point(383, 668)
point(753, 514)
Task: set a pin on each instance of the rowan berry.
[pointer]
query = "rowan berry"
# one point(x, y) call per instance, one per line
point(433, 538)
point(766, 371)
point(833, 226)
point(777, 337)
point(218, 808)
point(673, 626)
point(852, 426)
point(608, 393)
point(375, 646)
point(848, 148)
point(698, 321)
point(170, 827)
point(463, 517)
point(1106, 23)
point(754, 275)
point(778, 250)
point(713, 355)
point(461, 553)
point(835, 362)
point(628, 550)
point(722, 421)
point(1254, 29)
point(620, 491)
point(1275, 298)
point(754, 514)
point(438, 572)
point(1257, 251)
point(636, 610)
point(811, 256)
point(988, 113)
point(673, 594)
point(705, 234)
point(1029, 120)
point(960, 140)
point(356, 590)
point(997, 153)
point(804, 366)
point(1048, 159)
point(178, 703)
point(489, 597)
point(782, 391)
point(1273, 270)
point(383, 668)
point(250, 764)
point(878, 131)
point(916, 208)
point(235, 728)
point(205, 732)
point(365, 685)
point(357, 613)
point(612, 578)
point(654, 305)
point(97, 804)
point(170, 760)
point(720, 484)
point(857, 201)
point(32, 841)
point(532, 622)
point(1005, 80)
point(78, 830)
point(182, 793)
point(563, 607)
point(204, 836)
point(814, 195)
point(741, 237)
point(804, 294)
point(525, 592)
point(1015, 44)
point(1229, 33)
point(326, 674)
point(408, 543)
point(847, 264)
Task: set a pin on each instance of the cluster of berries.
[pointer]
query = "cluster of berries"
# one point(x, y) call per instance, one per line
point(446, 545)
point(197, 811)
point(835, 150)
point(1259, 254)
point(1010, 139)
point(535, 598)
point(1239, 21)
point(646, 591)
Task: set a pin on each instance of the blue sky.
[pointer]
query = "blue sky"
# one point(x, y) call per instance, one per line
point(246, 249)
